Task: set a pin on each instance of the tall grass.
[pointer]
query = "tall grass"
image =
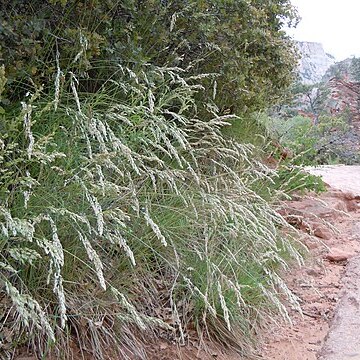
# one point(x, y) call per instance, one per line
point(123, 215)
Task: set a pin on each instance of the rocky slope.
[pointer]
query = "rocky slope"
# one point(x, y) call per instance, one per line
point(343, 89)
point(330, 95)
point(314, 62)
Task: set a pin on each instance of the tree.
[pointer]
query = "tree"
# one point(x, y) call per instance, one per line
point(242, 42)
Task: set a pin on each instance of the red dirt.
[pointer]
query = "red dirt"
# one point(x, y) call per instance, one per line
point(333, 223)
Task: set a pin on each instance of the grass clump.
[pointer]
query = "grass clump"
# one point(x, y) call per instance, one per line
point(132, 203)
point(124, 215)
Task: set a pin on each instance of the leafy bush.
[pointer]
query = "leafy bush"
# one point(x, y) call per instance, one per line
point(240, 43)
point(311, 143)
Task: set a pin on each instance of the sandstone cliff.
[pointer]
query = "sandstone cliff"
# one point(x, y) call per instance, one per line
point(314, 62)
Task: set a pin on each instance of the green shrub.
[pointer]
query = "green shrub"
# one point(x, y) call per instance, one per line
point(311, 143)
point(239, 43)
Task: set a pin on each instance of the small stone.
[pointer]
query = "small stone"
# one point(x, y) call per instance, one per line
point(313, 272)
point(337, 255)
point(322, 233)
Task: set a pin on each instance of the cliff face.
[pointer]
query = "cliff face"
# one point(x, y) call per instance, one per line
point(344, 96)
point(336, 98)
point(314, 62)
point(342, 87)
point(333, 97)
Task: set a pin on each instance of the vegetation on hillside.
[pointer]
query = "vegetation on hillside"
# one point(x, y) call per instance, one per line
point(127, 210)
point(318, 122)
point(312, 143)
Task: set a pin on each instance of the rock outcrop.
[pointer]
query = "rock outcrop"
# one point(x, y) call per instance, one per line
point(344, 100)
point(314, 62)
point(333, 98)
point(344, 96)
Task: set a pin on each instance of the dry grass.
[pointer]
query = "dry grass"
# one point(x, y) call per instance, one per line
point(123, 213)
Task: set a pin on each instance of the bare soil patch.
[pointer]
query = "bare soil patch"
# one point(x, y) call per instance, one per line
point(331, 226)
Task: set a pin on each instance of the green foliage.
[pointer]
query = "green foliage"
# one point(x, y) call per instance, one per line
point(108, 200)
point(127, 203)
point(247, 130)
point(240, 42)
point(328, 124)
point(311, 143)
point(293, 133)
point(293, 179)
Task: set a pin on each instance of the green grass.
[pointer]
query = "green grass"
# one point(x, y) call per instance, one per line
point(139, 216)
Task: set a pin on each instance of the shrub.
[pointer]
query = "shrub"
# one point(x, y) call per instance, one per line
point(320, 143)
point(240, 43)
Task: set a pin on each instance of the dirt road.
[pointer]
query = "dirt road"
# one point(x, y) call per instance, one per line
point(340, 177)
point(343, 339)
point(329, 284)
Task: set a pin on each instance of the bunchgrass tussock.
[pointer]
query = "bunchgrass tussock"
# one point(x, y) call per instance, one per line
point(125, 212)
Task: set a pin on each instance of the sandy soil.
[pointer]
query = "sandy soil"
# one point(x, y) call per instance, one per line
point(328, 285)
point(342, 177)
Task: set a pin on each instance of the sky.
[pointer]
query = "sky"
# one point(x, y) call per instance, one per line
point(334, 23)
